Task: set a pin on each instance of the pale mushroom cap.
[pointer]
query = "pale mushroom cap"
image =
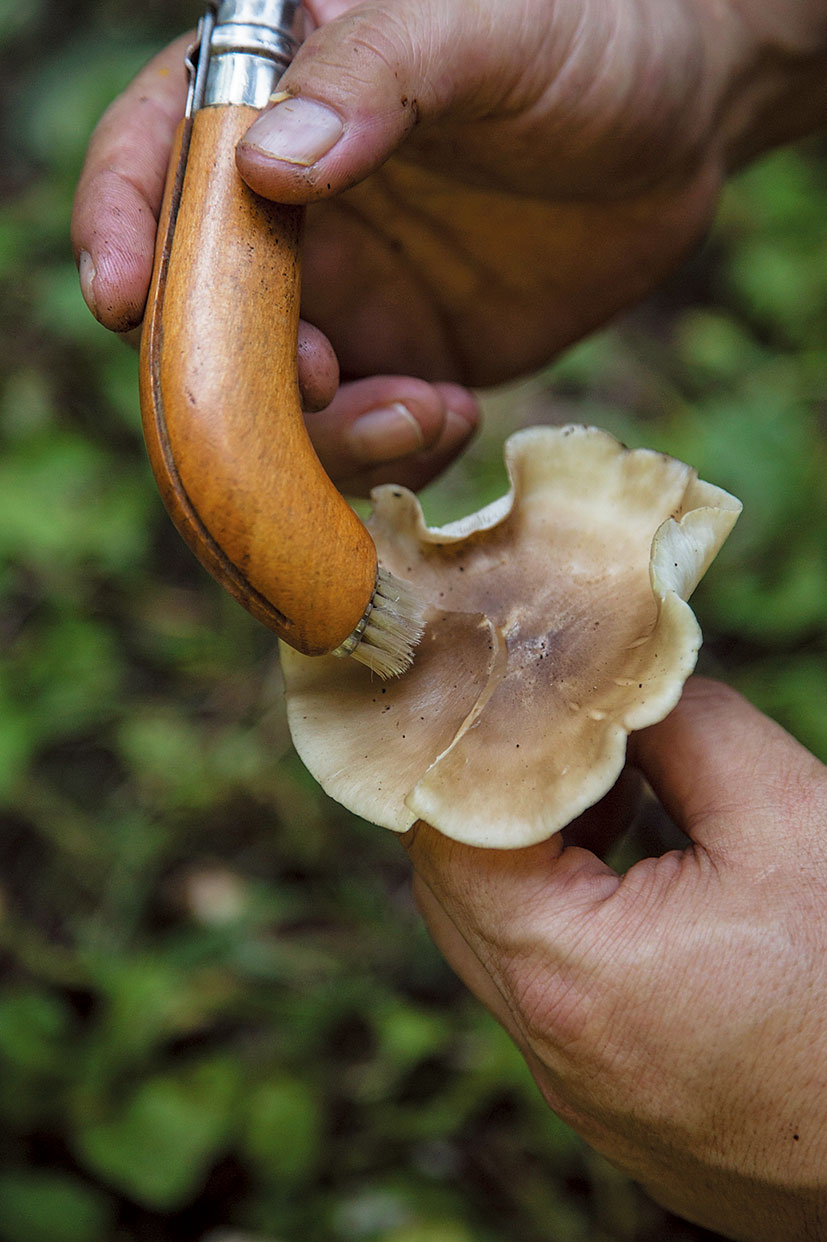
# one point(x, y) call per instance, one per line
point(556, 623)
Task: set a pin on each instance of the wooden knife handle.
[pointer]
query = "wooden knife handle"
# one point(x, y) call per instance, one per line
point(220, 402)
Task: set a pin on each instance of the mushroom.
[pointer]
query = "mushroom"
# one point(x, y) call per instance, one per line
point(556, 623)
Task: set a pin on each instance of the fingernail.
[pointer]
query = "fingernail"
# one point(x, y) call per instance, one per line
point(87, 273)
point(457, 428)
point(297, 130)
point(384, 435)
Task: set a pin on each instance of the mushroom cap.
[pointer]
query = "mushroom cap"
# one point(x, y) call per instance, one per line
point(556, 622)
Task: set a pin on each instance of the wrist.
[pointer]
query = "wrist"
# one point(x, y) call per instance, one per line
point(772, 65)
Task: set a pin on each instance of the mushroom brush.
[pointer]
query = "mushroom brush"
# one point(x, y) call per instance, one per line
point(220, 400)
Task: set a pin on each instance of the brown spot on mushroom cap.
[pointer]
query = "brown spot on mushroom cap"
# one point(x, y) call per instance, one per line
point(556, 623)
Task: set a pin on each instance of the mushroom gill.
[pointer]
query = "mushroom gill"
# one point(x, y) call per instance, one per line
point(556, 623)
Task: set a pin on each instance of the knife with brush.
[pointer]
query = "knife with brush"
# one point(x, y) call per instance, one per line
point(220, 400)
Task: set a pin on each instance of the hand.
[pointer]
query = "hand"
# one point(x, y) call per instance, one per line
point(523, 174)
point(676, 1016)
point(489, 182)
point(367, 432)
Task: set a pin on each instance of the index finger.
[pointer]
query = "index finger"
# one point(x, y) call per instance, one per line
point(119, 194)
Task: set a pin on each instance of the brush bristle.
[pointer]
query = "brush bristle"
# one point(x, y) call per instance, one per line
point(393, 630)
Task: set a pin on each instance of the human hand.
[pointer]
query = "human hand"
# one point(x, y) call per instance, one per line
point(488, 183)
point(520, 210)
point(675, 1015)
point(366, 432)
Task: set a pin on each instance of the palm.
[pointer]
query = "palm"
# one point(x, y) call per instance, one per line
point(412, 271)
point(529, 214)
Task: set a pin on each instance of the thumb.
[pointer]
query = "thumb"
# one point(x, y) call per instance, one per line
point(733, 780)
point(541, 918)
point(365, 77)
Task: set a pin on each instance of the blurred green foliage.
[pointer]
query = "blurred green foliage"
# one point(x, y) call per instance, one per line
point(219, 1015)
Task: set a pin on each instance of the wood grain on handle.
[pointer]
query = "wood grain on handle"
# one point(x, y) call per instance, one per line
point(220, 401)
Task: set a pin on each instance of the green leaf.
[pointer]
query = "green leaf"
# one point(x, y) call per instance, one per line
point(33, 1028)
point(65, 99)
point(73, 674)
point(49, 1207)
point(716, 348)
point(148, 1000)
point(408, 1034)
point(282, 1133)
point(792, 689)
point(62, 505)
point(168, 754)
point(159, 1146)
